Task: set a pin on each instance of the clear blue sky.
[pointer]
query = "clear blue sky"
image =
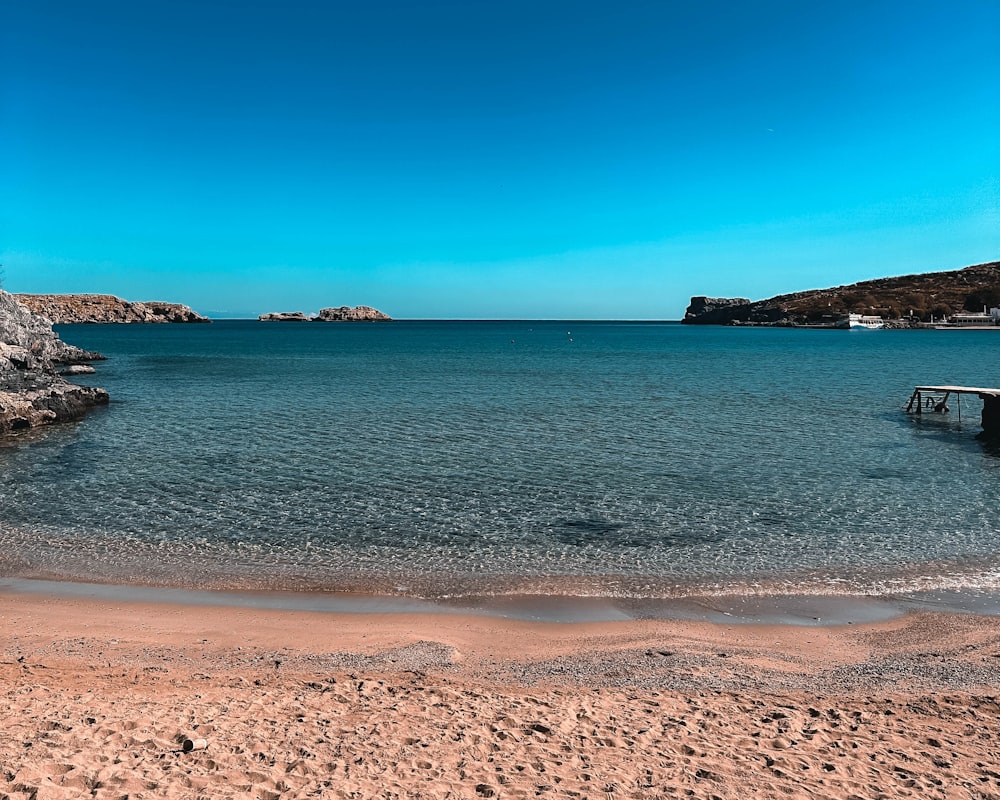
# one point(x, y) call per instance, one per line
point(524, 158)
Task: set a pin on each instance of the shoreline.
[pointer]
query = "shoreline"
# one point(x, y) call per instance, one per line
point(490, 646)
point(812, 610)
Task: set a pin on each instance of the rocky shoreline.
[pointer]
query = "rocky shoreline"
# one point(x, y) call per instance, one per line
point(32, 356)
point(62, 309)
point(340, 314)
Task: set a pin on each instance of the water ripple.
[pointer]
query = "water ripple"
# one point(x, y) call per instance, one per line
point(441, 457)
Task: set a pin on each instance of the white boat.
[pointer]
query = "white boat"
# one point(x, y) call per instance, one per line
point(862, 321)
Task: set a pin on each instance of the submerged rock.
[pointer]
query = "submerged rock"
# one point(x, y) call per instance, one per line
point(105, 308)
point(32, 393)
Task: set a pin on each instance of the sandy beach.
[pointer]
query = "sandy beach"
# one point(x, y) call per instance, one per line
point(100, 698)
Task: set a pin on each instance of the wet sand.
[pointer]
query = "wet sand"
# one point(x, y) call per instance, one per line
point(99, 696)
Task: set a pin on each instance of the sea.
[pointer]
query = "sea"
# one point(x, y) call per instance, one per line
point(448, 460)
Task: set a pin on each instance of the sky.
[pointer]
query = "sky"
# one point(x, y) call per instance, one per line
point(515, 159)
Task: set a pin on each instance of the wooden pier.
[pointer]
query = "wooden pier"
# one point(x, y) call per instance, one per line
point(935, 400)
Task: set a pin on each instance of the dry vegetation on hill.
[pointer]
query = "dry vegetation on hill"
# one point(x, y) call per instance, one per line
point(937, 294)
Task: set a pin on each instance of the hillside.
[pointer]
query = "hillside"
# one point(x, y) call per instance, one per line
point(909, 297)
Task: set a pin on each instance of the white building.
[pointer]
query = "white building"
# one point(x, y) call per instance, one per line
point(976, 319)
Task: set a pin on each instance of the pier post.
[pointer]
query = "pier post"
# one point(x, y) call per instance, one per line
point(991, 416)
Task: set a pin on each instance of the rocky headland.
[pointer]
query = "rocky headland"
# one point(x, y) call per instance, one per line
point(105, 308)
point(32, 390)
point(341, 314)
point(909, 299)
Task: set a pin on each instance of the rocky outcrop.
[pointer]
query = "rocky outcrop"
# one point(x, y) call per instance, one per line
point(703, 309)
point(31, 391)
point(909, 297)
point(171, 312)
point(105, 308)
point(284, 316)
point(76, 369)
point(342, 314)
point(20, 328)
point(44, 405)
point(356, 314)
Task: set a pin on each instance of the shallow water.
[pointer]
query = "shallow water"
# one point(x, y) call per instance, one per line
point(455, 459)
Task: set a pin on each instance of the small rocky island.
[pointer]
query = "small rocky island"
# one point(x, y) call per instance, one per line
point(906, 301)
point(341, 314)
point(105, 308)
point(33, 360)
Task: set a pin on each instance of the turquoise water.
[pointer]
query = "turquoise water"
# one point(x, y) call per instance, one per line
point(452, 459)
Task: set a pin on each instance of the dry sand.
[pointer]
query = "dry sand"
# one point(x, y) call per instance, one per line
point(98, 698)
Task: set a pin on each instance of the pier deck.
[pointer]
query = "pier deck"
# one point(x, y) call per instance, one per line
point(958, 390)
point(936, 399)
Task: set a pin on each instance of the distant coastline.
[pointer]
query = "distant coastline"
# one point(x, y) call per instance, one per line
point(62, 309)
point(908, 301)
